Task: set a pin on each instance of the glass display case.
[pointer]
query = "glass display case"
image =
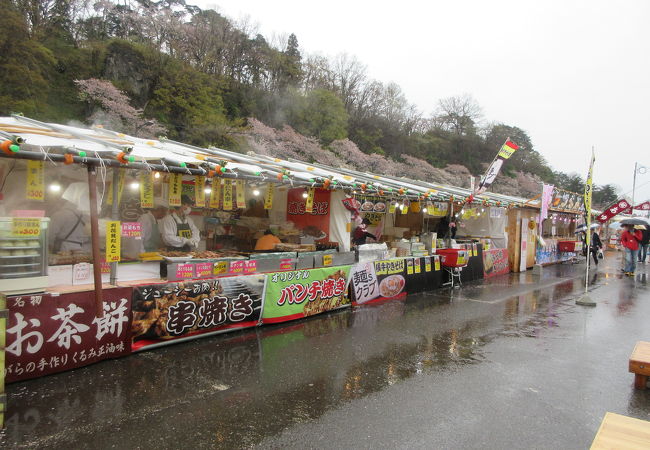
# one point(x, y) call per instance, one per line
point(23, 254)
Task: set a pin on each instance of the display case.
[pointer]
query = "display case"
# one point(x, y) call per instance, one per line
point(23, 255)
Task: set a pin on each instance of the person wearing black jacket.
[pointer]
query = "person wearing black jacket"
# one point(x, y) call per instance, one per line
point(596, 244)
point(643, 245)
point(361, 233)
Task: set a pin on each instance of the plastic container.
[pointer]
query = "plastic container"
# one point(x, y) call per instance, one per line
point(453, 257)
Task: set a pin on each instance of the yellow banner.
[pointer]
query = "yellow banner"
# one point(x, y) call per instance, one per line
point(392, 207)
point(146, 190)
point(113, 240)
point(506, 152)
point(215, 194)
point(35, 181)
point(268, 200)
point(389, 267)
point(309, 203)
point(199, 191)
point(241, 194)
point(405, 209)
point(175, 189)
point(227, 196)
point(25, 227)
point(120, 187)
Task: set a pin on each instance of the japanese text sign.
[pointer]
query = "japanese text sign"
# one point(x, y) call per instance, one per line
point(113, 241)
point(146, 190)
point(301, 293)
point(25, 227)
point(227, 196)
point(120, 187)
point(309, 203)
point(215, 194)
point(364, 282)
point(240, 194)
point(49, 334)
point(35, 188)
point(618, 207)
point(132, 230)
point(268, 199)
point(199, 191)
point(175, 189)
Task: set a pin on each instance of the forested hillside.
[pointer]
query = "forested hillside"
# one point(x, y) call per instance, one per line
point(166, 67)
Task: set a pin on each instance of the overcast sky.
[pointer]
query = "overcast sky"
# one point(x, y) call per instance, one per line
point(570, 73)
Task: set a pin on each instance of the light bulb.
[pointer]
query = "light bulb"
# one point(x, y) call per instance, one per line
point(256, 192)
point(482, 209)
point(156, 175)
point(55, 187)
point(135, 185)
point(424, 210)
point(304, 195)
point(207, 190)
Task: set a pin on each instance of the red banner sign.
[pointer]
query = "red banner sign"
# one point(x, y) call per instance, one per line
point(619, 207)
point(645, 206)
point(315, 224)
point(48, 334)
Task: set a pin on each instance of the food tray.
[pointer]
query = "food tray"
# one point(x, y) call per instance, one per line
point(178, 258)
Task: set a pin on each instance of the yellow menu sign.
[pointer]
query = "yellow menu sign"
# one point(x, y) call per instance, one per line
point(146, 190)
point(327, 260)
point(35, 181)
point(199, 191)
point(268, 199)
point(113, 240)
point(241, 194)
point(309, 204)
point(215, 194)
point(175, 188)
point(25, 227)
point(227, 196)
point(120, 187)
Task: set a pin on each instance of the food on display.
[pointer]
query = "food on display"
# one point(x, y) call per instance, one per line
point(380, 207)
point(391, 285)
point(367, 206)
point(318, 306)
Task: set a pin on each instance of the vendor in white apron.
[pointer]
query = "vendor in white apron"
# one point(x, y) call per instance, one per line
point(177, 230)
point(69, 225)
point(151, 239)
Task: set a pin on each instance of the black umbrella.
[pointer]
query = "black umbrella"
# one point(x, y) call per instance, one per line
point(633, 221)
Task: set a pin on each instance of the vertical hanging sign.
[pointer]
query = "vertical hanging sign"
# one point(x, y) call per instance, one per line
point(175, 188)
point(120, 187)
point(215, 194)
point(35, 181)
point(241, 194)
point(268, 200)
point(113, 240)
point(146, 190)
point(227, 196)
point(309, 203)
point(199, 191)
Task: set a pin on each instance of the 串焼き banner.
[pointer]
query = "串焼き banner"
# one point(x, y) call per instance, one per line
point(301, 293)
point(48, 334)
point(176, 310)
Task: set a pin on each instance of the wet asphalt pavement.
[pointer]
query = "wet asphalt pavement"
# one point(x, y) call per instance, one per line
point(509, 362)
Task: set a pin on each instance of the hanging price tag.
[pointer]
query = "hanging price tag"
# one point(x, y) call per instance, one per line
point(392, 207)
point(35, 181)
point(220, 268)
point(175, 188)
point(25, 227)
point(120, 187)
point(309, 203)
point(437, 264)
point(215, 194)
point(227, 196)
point(199, 191)
point(268, 200)
point(113, 240)
point(427, 264)
point(405, 209)
point(241, 194)
point(146, 190)
point(417, 265)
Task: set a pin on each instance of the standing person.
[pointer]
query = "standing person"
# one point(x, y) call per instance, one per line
point(177, 230)
point(630, 240)
point(360, 233)
point(595, 245)
point(645, 242)
point(151, 239)
point(68, 227)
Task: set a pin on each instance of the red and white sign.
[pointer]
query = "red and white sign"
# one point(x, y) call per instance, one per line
point(315, 224)
point(619, 207)
point(48, 334)
point(645, 206)
point(132, 229)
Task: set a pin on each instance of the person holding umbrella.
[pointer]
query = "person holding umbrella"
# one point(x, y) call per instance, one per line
point(643, 245)
point(630, 239)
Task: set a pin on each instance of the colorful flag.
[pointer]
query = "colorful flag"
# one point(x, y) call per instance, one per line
point(588, 192)
point(506, 151)
point(618, 207)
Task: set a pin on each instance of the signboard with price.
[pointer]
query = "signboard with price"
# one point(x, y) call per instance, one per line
point(25, 227)
point(35, 181)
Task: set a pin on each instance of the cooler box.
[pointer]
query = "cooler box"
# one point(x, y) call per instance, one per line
point(569, 246)
point(453, 257)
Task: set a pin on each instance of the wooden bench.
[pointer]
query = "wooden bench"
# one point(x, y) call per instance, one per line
point(640, 364)
point(622, 432)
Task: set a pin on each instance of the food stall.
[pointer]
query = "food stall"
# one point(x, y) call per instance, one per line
point(559, 242)
point(83, 288)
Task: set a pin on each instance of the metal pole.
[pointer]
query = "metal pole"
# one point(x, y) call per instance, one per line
point(115, 215)
point(94, 233)
point(633, 189)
